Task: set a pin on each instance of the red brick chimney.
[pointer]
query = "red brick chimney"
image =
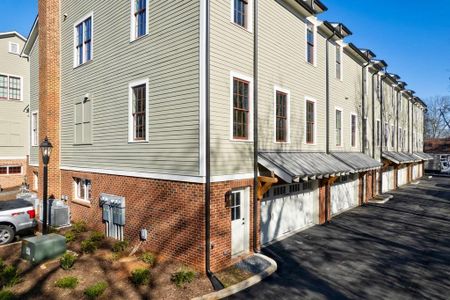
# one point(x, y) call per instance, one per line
point(49, 90)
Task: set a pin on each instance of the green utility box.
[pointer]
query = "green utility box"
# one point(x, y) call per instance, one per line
point(39, 248)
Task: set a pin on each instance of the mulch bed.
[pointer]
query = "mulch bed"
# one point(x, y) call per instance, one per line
point(38, 281)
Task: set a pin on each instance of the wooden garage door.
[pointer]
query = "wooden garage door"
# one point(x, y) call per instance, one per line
point(344, 194)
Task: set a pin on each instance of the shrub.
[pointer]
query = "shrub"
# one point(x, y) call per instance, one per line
point(140, 277)
point(70, 236)
point(7, 295)
point(120, 246)
point(148, 258)
point(67, 261)
point(95, 290)
point(183, 276)
point(97, 236)
point(88, 246)
point(68, 282)
point(9, 276)
point(79, 227)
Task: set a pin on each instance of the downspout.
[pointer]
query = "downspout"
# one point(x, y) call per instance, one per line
point(382, 128)
point(255, 127)
point(409, 126)
point(364, 127)
point(217, 285)
point(397, 122)
point(374, 137)
point(327, 96)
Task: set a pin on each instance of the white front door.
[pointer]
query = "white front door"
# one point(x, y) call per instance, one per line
point(239, 221)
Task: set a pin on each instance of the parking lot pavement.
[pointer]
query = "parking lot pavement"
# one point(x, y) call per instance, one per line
point(396, 250)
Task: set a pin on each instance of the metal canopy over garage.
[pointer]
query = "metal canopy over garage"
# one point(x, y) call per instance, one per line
point(293, 166)
point(423, 156)
point(358, 161)
point(399, 157)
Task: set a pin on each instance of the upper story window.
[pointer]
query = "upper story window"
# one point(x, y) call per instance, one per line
point(392, 136)
point(241, 109)
point(34, 129)
point(378, 132)
point(310, 121)
point(13, 48)
point(378, 88)
point(365, 76)
point(10, 87)
point(310, 42)
point(404, 138)
point(281, 117)
point(139, 18)
point(338, 127)
point(353, 127)
point(366, 129)
point(138, 111)
point(83, 121)
point(393, 98)
point(386, 134)
point(338, 62)
point(83, 189)
point(83, 41)
point(240, 12)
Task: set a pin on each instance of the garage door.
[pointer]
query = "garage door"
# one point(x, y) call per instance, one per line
point(288, 208)
point(415, 172)
point(402, 176)
point(344, 194)
point(388, 180)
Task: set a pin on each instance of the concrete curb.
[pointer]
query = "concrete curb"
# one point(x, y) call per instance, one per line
point(244, 284)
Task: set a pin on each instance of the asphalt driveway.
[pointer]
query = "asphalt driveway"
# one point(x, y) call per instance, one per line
point(396, 250)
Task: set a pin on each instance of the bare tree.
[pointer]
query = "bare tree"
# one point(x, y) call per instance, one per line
point(437, 119)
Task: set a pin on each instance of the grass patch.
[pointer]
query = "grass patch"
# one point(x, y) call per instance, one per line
point(68, 282)
point(149, 258)
point(96, 290)
point(67, 261)
point(140, 277)
point(183, 276)
point(120, 246)
point(7, 295)
point(9, 275)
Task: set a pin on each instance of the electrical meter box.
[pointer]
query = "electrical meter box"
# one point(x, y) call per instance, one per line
point(39, 248)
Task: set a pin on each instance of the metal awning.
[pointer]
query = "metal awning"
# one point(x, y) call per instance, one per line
point(358, 161)
point(296, 166)
point(399, 157)
point(423, 156)
point(412, 156)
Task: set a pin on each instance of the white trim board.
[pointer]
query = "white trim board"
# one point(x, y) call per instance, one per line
point(160, 176)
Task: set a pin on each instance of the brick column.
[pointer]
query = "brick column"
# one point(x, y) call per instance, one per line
point(49, 90)
point(396, 177)
point(323, 185)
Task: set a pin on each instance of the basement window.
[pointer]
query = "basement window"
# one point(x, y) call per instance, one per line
point(83, 189)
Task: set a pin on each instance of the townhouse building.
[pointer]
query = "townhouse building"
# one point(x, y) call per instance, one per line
point(219, 126)
point(14, 101)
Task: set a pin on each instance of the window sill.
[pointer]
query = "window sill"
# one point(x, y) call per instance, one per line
point(83, 64)
point(135, 40)
point(242, 27)
point(82, 202)
point(241, 141)
point(310, 64)
point(138, 142)
point(82, 144)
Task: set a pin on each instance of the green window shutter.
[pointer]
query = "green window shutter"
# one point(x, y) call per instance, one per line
point(78, 123)
point(87, 123)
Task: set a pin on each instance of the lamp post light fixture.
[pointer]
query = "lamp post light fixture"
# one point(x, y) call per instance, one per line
point(46, 149)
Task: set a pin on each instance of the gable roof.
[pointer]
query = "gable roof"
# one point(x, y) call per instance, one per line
point(12, 34)
point(31, 38)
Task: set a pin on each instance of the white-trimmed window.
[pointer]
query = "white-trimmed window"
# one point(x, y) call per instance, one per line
point(242, 13)
point(10, 170)
point(241, 105)
point(35, 181)
point(13, 48)
point(338, 127)
point(34, 129)
point(11, 87)
point(310, 121)
point(139, 18)
point(83, 121)
point(366, 128)
point(83, 40)
point(83, 189)
point(339, 62)
point(282, 115)
point(392, 136)
point(310, 43)
point(400, 101)
point(354, 128)
point(138, 111)
point(386, 135)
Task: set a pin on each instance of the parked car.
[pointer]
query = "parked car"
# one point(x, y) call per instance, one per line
point(16, 217)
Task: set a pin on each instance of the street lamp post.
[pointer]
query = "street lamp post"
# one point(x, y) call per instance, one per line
point(46, 150)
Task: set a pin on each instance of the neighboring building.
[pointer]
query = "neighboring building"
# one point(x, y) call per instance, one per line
point(14, 101)
point(148, 113)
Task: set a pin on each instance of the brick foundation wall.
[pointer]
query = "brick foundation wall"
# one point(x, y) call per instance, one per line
point(9, 181)
point(172, 212)
point(221, 222)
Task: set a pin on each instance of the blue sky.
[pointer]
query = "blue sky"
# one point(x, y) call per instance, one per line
point(413, 36)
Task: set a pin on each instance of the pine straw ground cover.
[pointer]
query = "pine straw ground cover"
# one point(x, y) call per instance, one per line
point(103, 268)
